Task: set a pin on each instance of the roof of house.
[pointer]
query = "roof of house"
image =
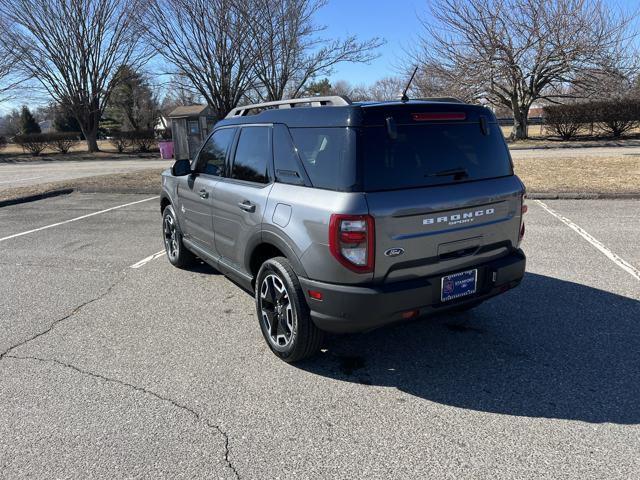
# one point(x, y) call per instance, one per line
point(189, 111)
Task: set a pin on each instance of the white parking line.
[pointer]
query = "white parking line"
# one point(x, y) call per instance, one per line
point(620, 262)
point(146, 260)
point(76, 219)
point(21, 179)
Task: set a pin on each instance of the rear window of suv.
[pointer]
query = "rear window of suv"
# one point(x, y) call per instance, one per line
point(434, 154)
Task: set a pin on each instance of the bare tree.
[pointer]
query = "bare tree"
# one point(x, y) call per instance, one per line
point(177, 95)
point(207, 45)
point(515, 52)
point(387, 88)
point(74, 48)
point(288, 50)
point(8, 75)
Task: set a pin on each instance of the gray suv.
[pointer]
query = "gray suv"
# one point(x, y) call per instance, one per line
point(344, 217)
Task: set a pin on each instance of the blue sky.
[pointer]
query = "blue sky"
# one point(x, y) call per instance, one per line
point(396, 21)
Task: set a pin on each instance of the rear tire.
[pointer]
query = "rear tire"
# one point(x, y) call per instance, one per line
point(283, 313)
point(177, 253)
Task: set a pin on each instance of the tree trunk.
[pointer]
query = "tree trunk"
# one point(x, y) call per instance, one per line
point(520, 123)
point(92, 140)
point(90, 130)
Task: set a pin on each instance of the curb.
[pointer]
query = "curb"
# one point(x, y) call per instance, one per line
point(582, 196)
point(561, 146)
point(33, 198)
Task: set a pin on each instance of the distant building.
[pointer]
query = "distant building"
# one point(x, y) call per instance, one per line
point(46, 126)
point(190, 126)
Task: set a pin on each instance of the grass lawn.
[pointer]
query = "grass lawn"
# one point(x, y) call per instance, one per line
point(141, 181)
point(597, 174)
point(13, 152)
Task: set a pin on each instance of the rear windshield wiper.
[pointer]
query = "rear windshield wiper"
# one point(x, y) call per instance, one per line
point(457, 173)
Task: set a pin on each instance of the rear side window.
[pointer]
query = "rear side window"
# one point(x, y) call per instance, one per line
point(328, 156)
point(214, 151)
point(287, 163)
point(437, 154)
point(253, 154)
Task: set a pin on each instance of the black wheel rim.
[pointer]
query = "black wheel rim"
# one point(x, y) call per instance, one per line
point(276, 311)
point(170, 237)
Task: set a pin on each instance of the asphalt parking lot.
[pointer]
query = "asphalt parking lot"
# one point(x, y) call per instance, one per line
point(154, 372)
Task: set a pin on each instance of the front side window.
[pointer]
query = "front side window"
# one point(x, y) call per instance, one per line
point(253, 155)
point(214, 152)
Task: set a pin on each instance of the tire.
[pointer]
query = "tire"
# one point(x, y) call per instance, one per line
point(283, 313)
point(177, 253)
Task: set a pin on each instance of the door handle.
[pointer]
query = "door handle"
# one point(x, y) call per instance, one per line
point(247, 206)
point(204, 193)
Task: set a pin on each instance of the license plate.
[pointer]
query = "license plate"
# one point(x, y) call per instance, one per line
point(458, 285)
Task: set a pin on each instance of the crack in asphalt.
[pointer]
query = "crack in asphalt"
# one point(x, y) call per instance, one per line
point(145, 391)
point(62, 319)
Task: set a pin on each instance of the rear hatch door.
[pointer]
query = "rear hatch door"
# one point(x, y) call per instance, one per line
point(440, 185)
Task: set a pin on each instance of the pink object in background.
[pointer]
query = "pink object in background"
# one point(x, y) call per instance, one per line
point(166, 149)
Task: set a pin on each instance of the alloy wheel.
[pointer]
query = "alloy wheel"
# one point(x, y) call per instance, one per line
point(276, 311)
point(170, 237)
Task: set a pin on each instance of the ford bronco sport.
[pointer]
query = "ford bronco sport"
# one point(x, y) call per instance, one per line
point(343, 217)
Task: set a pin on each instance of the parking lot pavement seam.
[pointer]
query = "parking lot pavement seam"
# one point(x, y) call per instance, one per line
point(62, 319)
point(199, 417)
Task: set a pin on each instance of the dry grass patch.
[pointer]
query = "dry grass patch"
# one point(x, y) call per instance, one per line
point(14, 152)
point(602, 174)
point(142, 181)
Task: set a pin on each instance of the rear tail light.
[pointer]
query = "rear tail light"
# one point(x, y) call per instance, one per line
point(523, 209)
point(351, 241)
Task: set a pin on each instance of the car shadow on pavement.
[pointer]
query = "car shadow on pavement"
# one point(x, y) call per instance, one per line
point(550, 348)
point(200, 266)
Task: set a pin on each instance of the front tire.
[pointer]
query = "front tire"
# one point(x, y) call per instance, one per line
point(177, 253)
point(283, 312)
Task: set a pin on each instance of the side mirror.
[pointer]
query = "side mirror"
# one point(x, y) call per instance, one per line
point(181, 168)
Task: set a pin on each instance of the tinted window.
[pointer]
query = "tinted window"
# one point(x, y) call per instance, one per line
point(328, 156)
point(253, 154)
point(213, 153)
point(424, 155)
point(286, 158)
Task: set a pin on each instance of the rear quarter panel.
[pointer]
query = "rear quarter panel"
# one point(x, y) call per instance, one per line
point(300, 215)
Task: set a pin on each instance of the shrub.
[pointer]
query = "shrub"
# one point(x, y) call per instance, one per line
point(564, 120)
point(617, 116)
point(136, 140)
point(144, 140)
point(3, 142)
point(62, 141)
point(34, 143)
point(121, 141)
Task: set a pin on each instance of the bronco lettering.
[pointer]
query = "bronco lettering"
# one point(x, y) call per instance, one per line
point(457, 218)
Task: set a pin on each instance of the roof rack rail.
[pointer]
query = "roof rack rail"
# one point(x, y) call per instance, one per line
point(440, 99)
point(333, 100)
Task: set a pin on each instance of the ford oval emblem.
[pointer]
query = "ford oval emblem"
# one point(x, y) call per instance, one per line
point(394, 252)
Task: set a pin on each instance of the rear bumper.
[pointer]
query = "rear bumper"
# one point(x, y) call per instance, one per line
point(348, 308)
